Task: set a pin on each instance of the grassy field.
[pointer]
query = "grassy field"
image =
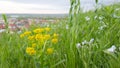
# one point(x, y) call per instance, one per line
point(93, 41)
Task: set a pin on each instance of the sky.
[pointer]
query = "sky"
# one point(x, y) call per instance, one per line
point(45, 6)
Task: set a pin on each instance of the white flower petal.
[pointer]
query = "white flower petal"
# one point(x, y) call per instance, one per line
point(78, 45)
point(111, 49)
point(87, 18)
point(67, 26)
point(91, 41)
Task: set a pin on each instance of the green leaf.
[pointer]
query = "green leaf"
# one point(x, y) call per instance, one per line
point(5, 20)
point(96, 1)
point(59, 63)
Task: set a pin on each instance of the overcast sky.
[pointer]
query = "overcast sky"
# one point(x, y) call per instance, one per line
point(44, 6)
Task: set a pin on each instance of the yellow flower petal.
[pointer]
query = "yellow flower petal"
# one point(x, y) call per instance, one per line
point(50, 51)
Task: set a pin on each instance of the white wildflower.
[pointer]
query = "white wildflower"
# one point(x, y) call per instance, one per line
point(87, 18)
point(78, 45)
point(117, 9)
point(102, 27)
point(95, 17)
point(116, 12)
point(114, 15)
point(67, 26)
point(91, 41)
point(102, 22)
point(111, 49)
point(84, 42)
point(100, 18)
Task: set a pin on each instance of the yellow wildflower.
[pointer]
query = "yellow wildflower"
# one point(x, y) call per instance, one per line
point(38, 36)
point(31, 37)
point(55, 35)
point(27, 32)
point(33, 52)
point(41, 42)
point(22, 35)
point(30, 50)
point(38, 30)
point(55, 40)
point(47, 29)
point(50, 51)
point(33, 45)
point(47, 36)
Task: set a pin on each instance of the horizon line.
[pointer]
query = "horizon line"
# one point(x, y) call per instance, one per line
point(33, 13)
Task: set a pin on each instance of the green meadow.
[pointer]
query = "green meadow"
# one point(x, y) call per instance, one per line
point(84, 40)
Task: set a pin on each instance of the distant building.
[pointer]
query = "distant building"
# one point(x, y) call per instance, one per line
point(2, 26)
point(13, 27)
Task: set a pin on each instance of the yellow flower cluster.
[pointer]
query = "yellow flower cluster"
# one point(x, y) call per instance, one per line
point(47, 37)
point(42, 37)
point(55, 35)
point(50, 51)
point(47, 29)
point(39, 30)
point(25, 34)
point(34, 45)
point(30, 51)
point(39, 37)
point(55, 40)
point(31, 37)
